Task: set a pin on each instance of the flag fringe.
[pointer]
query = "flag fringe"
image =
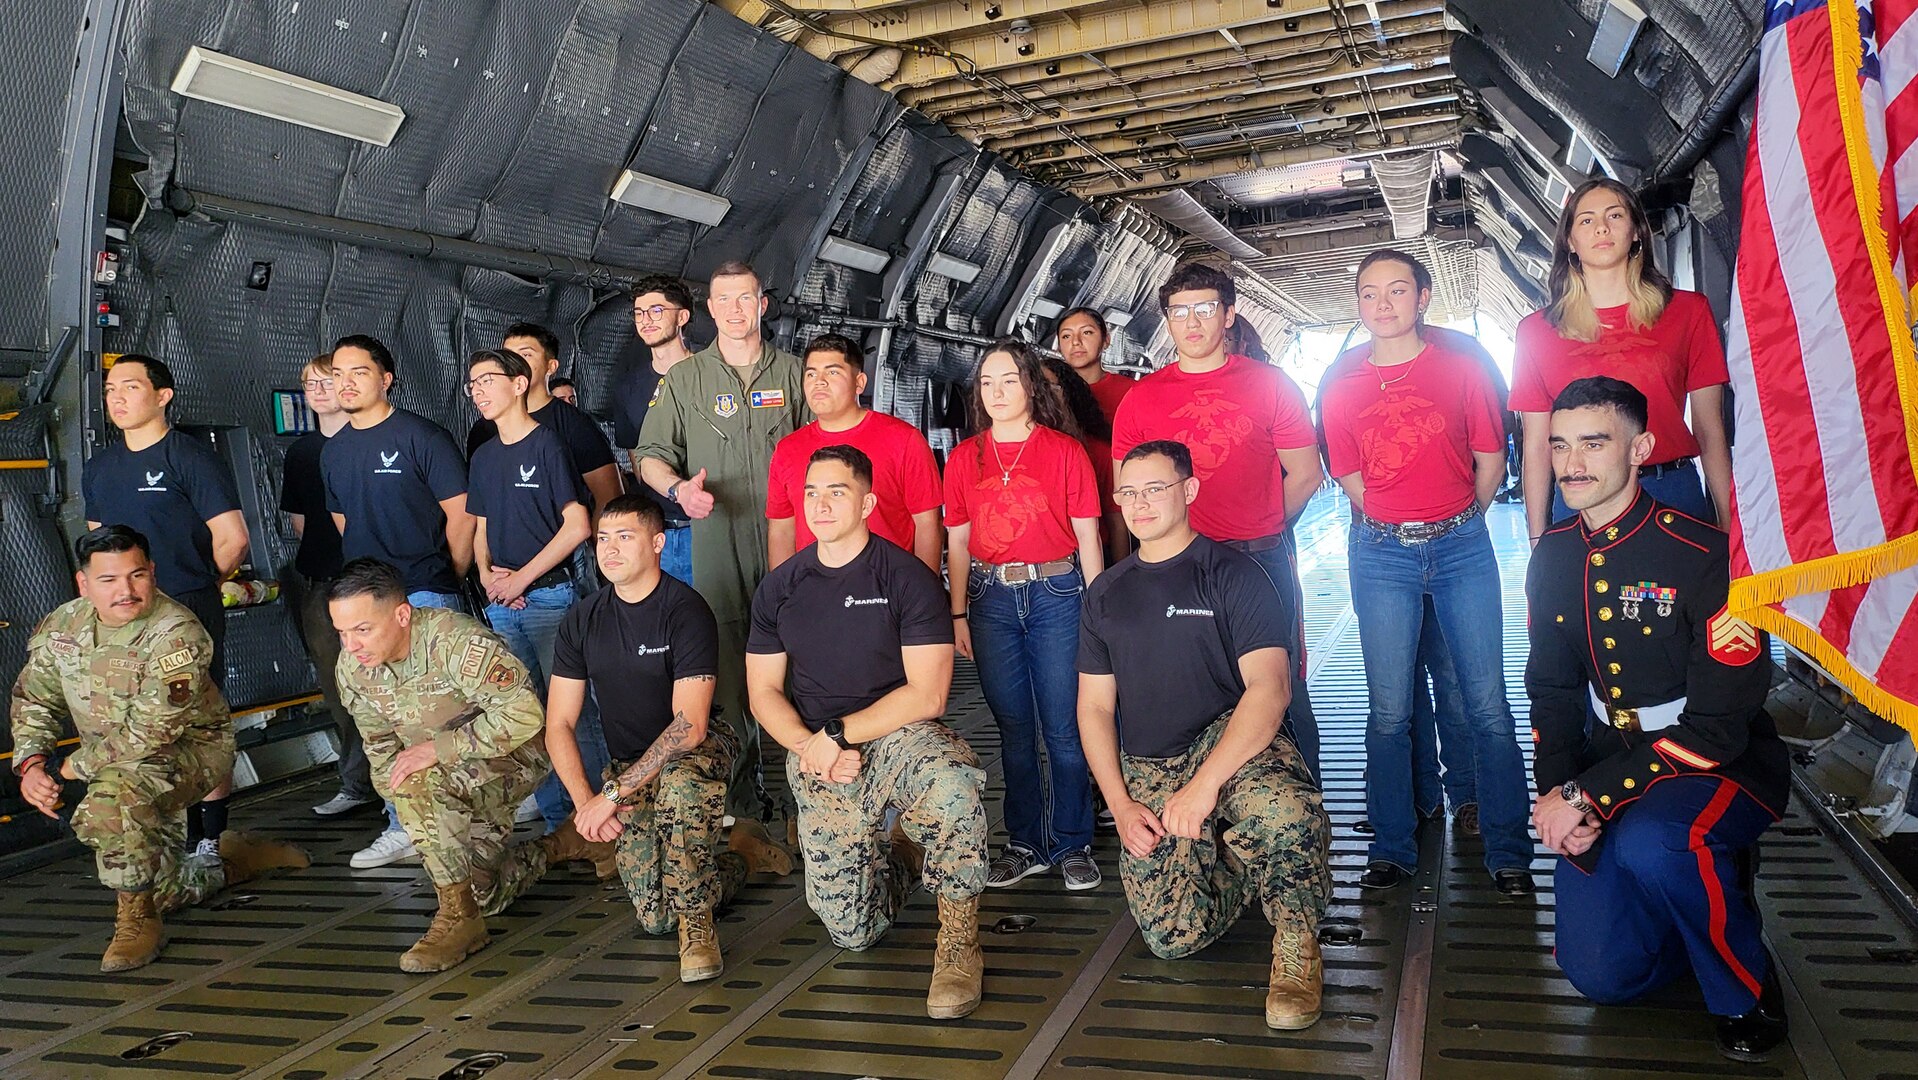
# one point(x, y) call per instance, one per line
point(1829, 574)
point(1882, 702)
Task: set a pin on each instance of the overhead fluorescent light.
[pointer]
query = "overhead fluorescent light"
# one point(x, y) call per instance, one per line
point(1115, 317)
point(206, 75)
point(948, 267)
point(665, 197)
point(1618, 27)
point(858, 256)
point(1047, 309)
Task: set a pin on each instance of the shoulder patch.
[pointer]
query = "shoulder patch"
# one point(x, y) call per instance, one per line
point(501, 675)
point(1731, 640)
point(174, 661)
point(179, 692)
point(473, 660)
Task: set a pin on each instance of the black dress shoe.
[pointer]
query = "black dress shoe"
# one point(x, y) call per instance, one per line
point(1514, 882)
point(1753, 1036)
point(1380, 875)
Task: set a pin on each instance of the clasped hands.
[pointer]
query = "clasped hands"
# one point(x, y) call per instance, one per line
point(820, 756)
point(1563, 827)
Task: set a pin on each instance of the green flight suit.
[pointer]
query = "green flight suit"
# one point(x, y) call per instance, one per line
point(710, 415)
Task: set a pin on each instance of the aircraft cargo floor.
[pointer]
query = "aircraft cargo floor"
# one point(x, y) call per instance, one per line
point(296, 978)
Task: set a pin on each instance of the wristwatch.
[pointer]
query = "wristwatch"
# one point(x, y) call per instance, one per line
point(1574, 797)
point(835, 730)
point(610, 792)
point(672, 491)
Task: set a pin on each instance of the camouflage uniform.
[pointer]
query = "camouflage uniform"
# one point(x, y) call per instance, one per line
point(853, 882)
point(1275, 846)
point(154, 732)
point(462, 688)
point(668, 853)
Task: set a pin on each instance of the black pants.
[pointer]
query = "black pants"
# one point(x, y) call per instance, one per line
point(206, 607)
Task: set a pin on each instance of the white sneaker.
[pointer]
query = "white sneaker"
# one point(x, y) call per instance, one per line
point(340, 804)
point(528, 811)
point(206, 850)
point(388, 847)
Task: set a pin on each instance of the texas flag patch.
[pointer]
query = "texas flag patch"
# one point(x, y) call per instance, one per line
point(769, 399)
point(1731, 640)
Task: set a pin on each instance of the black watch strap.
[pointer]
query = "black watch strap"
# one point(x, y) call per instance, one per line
point(836, 731)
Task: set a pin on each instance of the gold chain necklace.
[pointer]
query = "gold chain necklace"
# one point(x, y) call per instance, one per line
point(1383, 381)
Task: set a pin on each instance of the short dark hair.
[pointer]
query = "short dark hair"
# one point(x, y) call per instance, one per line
point(548, 341)
point(513, 364)
point(373, 346)
point(673, 289)
point(366, 576)
point(638, 505)
point(841, 344)
point(850, 456)
point(109, 540)
point(1169, 449)
point(736, 268)
point(559, 381)
point(1197, 277)
point(158, 373)
point(1098, 320)
point(1604, 392)
point(1421, 277)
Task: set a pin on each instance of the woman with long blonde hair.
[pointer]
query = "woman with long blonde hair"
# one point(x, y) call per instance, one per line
point(1612, 312)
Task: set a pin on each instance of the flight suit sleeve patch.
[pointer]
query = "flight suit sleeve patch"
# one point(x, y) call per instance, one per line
point(473, 660)
point(177, 660)
point(501, 675)
point(1731, 640)
point(179, 692)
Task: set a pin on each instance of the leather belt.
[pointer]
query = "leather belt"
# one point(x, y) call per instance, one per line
point(1419, 532)
point(1664, 467)
point(1020, 573)
point(1643, 718)
point(1256, 544)
point(558, 575)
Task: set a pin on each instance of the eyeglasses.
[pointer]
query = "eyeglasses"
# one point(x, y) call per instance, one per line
point(319, 384)
point(1205, 309)
point(656, 312)
point(482, 382)
point(1126, 496)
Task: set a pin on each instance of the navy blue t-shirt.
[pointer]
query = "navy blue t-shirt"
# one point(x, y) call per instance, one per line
point(303, 492)
point(169, 491)
point(633, 396)
point(586, 445)
point(522, 490)
point(389, 480)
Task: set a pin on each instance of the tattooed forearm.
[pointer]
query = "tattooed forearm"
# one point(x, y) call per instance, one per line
point(676, 741)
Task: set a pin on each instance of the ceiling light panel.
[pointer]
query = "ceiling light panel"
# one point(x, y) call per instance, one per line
point(214, 77)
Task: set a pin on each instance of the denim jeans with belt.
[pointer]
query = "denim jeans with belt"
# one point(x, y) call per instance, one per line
point(1440, 735)
point(530, 632)
point(1025, 639)
point(1390, 583)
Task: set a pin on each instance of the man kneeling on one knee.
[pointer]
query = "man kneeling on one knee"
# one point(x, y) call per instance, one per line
point(1184, 676)
point(863, 628)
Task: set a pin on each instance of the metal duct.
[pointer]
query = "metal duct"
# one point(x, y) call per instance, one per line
point(1406, 183)
point(1184, 213)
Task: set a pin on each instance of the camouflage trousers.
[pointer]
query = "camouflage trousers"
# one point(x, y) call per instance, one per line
point(668, 852)
point(134, 819)
point(854, 882)
point(460, 816)
point(1269, 839)
point(746, 794)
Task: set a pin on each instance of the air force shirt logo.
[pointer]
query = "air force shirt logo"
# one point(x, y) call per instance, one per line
point(153, 481)
point(387, 461)
point(526, 476)
point(1174, 609)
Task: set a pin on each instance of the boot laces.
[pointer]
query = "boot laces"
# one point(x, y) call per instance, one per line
point(129, 927)
point(1289, 956)
point(700, 930)
point(956, 937)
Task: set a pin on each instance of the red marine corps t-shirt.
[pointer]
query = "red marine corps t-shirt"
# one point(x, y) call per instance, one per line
point(1412, 442)
point(1676, 355)
point(1020, 498)
point(1235, 421)
point(905, 478)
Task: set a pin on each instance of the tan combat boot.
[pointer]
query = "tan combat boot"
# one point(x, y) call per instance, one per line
point(1298, 978)
point(246, 856)
point(458, 931)
point(699, 957)
point(565, 844)
point(763, 856)
point(958, 966)
point(137, 933)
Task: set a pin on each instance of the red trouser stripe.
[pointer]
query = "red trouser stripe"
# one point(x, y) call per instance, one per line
point(1708, 872)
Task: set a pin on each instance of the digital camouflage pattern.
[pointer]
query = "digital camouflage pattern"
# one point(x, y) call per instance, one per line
point(462, 689)
point(1275, 847)
point(154, 733)
point(853, 882)
point(668, 854)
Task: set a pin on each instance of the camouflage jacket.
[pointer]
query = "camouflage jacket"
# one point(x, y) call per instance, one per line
point(458, 686)
point(132, 691)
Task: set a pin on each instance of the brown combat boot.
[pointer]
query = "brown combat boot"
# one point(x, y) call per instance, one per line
point(1298, 978)
point(699, 957)
point(245, 856)
point(763, 856)
point(958, 966)
point(137, 933)
point(565, 844)
point(458, 931)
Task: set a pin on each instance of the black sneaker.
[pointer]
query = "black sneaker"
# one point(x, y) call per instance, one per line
point(1467, 819)
point(1381, 875)
point(1514, 882)
point(1079, 871)
point(1014, 864)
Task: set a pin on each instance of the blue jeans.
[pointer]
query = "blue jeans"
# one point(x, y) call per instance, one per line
point(1390, 582)
point(1281, 564)
point(1025, 639)
point(1681, 489)
point(677, 559)
point(1440, 735)
point(529, 632)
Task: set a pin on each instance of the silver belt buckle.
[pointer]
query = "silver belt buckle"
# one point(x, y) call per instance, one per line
point(1005, 571)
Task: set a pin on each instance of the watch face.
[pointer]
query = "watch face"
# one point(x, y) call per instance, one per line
point(611, 790)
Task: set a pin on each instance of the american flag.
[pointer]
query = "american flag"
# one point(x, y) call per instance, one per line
point(1824, 373)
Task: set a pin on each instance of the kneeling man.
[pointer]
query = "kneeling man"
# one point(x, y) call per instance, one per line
point(1184, 675)
point(132, 669)
point(452, 732)
point(863, 630)
point(1656, 807)
point(648, 649)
